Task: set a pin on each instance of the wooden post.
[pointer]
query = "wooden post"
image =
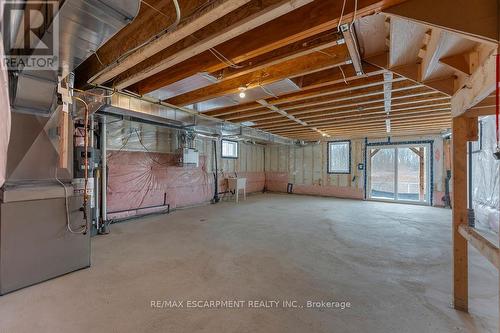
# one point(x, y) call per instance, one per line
point(459, 204)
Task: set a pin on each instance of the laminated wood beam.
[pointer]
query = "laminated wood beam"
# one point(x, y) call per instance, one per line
point(156, 57)
point(278, 33)
point(481, 23)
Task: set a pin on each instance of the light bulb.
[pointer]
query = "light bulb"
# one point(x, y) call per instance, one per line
point(242, 94)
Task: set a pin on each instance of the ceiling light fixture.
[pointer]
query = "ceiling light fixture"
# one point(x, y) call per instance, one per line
point(242, 91)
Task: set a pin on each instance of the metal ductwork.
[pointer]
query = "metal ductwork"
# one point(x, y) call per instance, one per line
point(83, 26)
point(118, 105)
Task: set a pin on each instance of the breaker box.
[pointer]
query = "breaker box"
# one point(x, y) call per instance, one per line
point(189, 157)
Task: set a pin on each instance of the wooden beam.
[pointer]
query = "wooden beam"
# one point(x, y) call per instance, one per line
point(335, 85)
point(477, 86)
point(338, 55)
point(208, 62)
point(405, 86)
point(486, 107)
point(483, 245)
point(465, 62)
point(230, 26)
point(459, 178)
point(148, 24)
point(380, 133)
point(348, 108)
point(443, 123)
point(286, 53)
point(481, 23)
point(280, 32)
point(413, 72)
point(363, 118)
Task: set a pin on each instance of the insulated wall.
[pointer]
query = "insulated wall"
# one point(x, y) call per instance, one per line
point(144, 172)
point(486, 177)
point(305, 168)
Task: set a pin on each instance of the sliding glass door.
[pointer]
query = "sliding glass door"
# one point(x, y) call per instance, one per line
point(399, 173)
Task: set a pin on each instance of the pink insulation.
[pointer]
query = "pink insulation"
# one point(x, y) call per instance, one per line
point(278, 181)
point(137, 180)
point(4, 118)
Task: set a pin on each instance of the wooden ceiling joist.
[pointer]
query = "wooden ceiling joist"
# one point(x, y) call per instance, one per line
point(337, 56)
point(337, 85)
point(349, 108)
point(327, 97)
point(380, 128)
point(278, 33)
point(362, 118)
point(363, 104)
point(367, 117)
point(145, 27)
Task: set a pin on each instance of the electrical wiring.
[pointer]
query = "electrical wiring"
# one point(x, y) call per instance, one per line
point(341, 16)
point(343, 75)
point(355, 12)
point(155, 9)
point(163, 32)
point(66, 205)
point(267, 91)
point(223, 59)
point(340, 67)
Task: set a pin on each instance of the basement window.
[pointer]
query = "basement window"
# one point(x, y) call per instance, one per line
point(339, 157)
point(229, 149)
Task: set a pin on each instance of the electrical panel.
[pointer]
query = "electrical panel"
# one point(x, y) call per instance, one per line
point(189, 157)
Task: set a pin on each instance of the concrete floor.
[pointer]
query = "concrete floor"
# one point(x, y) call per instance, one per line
point(392, 262)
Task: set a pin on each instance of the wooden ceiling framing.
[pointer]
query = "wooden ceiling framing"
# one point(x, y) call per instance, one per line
point(248, 44)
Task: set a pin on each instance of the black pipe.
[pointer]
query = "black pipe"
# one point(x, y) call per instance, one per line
point(216, 198)
point(167, 206)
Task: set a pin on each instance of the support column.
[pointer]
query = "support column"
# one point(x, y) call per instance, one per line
point(464, 129)
point(459, 204)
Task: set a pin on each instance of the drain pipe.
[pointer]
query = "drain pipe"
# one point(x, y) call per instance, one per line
point(104, 178)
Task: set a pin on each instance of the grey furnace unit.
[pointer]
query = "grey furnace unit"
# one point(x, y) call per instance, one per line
point(35, 244)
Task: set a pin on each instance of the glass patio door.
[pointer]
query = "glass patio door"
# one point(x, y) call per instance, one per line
point(399, 173)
